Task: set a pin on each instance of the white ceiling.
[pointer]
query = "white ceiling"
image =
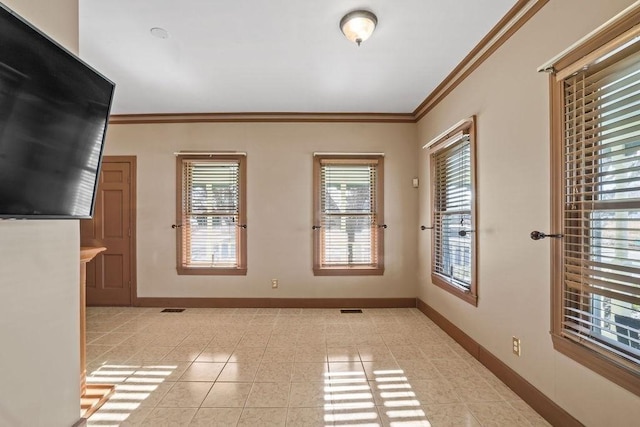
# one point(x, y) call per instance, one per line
point(278, 55)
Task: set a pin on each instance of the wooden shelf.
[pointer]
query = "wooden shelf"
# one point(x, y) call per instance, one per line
point(94, 397)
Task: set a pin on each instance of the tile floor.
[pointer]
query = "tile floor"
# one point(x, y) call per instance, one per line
point(290, 367)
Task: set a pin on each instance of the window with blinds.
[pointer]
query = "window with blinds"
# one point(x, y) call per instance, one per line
point(348, 220)
point(453, 242)
point(212, 229)
point(600, 303)
point(595, 159)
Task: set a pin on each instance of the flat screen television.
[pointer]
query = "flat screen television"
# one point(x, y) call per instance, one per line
point(54, 111)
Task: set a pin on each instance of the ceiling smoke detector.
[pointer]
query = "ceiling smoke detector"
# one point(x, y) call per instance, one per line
point(160, 33)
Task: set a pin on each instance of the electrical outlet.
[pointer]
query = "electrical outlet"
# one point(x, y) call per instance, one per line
point(274, 283)
point(516, 346)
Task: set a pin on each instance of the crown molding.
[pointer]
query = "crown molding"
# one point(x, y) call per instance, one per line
point(262, 118)
point(519, 14)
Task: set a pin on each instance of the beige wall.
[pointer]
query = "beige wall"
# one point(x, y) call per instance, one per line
point(39, 275)
point(510, 100)
point(279, 216)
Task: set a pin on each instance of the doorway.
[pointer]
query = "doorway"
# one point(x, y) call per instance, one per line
point(111, 277)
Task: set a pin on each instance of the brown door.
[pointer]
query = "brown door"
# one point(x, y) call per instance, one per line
point(110, 278)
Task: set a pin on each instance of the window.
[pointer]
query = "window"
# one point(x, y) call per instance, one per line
point(348, 219)
point(453, 211)
point(596, 207)
point(211, 221)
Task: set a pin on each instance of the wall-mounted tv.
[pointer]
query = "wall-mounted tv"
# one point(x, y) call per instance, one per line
point(54, 111)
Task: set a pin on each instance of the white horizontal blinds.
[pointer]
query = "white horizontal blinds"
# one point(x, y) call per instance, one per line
point(348, 212)
point(452, 213)
point(601, 292)
point(211, 209)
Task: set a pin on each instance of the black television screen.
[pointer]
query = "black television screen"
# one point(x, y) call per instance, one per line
point(54, 110)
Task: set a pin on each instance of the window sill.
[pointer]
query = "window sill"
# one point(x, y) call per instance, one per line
point(619, 374)
point(466, 296)
point(348, 271)
point(183, 271)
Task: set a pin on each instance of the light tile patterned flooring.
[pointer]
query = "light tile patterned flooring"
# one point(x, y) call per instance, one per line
point(290, 367)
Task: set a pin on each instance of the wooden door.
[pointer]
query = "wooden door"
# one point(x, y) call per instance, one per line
point(110, 276)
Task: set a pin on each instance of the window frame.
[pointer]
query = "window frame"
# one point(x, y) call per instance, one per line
point(241, 236)
point(356, 270)
point(606, 39)
point(444, 142)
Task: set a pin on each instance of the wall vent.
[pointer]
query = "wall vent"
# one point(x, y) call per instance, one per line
point(172, 310)
point(350, 310)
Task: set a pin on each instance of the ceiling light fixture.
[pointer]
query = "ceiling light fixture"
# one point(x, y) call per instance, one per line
point(358, 25)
